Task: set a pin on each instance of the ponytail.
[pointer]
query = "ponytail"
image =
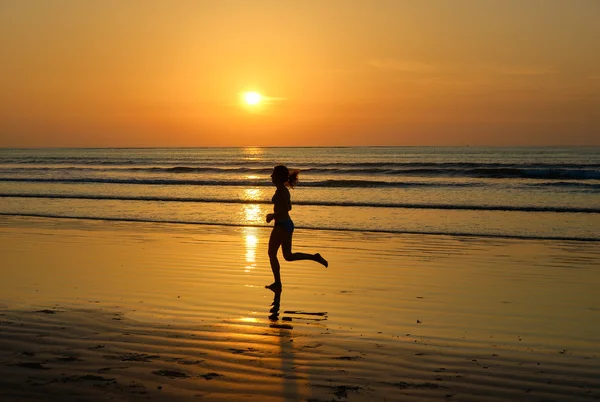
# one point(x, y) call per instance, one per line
point(293, 178)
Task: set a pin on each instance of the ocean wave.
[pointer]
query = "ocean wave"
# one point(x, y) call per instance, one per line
point(264, 182)
point(338, 229)
point(552, 173)
point(149, 169)
point(510, 208)
point(202, 161)
point(330, 183)
point(471, 170)
point(245, 182)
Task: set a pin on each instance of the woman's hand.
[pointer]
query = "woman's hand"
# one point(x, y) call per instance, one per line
point(270, 217)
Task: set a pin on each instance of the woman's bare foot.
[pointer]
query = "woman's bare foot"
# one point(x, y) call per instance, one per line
point(321, 260)
point(275, 286)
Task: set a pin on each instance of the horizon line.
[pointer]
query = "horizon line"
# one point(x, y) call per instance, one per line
point(307, 146)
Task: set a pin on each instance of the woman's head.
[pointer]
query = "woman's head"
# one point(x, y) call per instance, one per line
point(281, 174)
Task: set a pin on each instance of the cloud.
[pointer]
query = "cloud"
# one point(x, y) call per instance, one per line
point(271, 100)
point(412, 66)
point(401, 65)
point(527, 71)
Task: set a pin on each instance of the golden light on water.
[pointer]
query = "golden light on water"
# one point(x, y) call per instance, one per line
point(252, 214)
point(251, 242)
point(252, 153)
point(252, 194)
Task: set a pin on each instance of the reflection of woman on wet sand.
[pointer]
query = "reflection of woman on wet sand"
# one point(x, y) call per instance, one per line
point(284, 227)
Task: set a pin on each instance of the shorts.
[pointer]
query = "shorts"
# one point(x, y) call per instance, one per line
point(287, 224)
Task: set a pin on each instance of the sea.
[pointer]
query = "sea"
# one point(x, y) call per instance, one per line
point(523, 192)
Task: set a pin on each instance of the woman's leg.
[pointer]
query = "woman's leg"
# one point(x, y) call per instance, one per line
point(286, 247)
point(274, 243)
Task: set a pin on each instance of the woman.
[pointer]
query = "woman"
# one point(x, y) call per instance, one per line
point(281, 235)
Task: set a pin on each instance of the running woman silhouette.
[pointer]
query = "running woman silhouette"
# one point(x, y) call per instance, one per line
point(283, 229)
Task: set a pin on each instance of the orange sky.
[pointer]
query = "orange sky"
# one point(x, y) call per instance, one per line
point(118, 73)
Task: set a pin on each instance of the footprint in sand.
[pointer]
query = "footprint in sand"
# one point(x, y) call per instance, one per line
point(171, 373)
point(210, 376)
point(34, 366)
point(133, 357)
point(88, 377)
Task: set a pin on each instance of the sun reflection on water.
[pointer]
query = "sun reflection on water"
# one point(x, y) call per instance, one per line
point(251, 240)
point(252, 194)
point(252, 214)
point(253, 153)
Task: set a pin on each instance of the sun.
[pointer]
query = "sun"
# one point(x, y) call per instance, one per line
point(252, 98)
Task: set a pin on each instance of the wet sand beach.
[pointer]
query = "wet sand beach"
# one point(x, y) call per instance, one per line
point(95, 310)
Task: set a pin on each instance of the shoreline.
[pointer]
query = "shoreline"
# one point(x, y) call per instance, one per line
point(378, 231)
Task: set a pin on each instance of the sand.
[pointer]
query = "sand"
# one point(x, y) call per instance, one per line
point(97, 311)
